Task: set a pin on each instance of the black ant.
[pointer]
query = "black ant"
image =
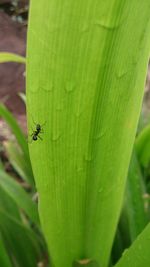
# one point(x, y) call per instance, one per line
point(35, 134)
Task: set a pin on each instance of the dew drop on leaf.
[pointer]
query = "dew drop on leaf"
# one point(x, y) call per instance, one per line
point(70, 86)
point(100, 190)
point(55, 136)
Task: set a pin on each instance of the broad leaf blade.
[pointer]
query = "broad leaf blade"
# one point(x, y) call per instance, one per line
point(86, 66)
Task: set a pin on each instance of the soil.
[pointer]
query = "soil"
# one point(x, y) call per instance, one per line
point(12, 80)
point(13, 29)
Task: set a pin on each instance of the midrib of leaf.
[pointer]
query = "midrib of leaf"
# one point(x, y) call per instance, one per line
point(89, 130)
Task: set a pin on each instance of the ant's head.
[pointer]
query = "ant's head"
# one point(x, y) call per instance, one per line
point(38, 127)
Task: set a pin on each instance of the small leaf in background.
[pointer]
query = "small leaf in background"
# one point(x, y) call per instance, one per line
point(10, 57)
point(11, 121)
point(142, 146)
point(20, 197)
point(138, 255)
point(23, 97)
point(134, 208)
point(4, 258)
point(18, 161)
point(7, 204)
point(134, 216)
point(20, 241)
point(20, 137)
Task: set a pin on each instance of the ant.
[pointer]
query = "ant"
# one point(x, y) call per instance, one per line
point(35, 134)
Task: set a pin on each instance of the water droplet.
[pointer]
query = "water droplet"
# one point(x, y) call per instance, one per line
point(56, 136)
point(100, 135)
point(88, 157)
point(124, 252)
point(70, 86)
point(79, 169)
point(121, 73)
point(78, 111)
point(48, 87)
point(100, 190)
point(105, 24)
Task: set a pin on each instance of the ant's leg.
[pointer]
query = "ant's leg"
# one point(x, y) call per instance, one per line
point(32, 132)
point(43, 124)
point(40, 137)
point(34, 121)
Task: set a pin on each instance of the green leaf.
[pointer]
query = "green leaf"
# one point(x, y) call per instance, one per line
point(134, 197)
point(134, 216)
point(143, 146)
point(21, 139)
point(86, 67)
point(10, 119)
point(19, 196)
point(18, 161)
point(20, 241)
point(4, 258)
point(8, 205)
point(138, 254)
point(10, 57)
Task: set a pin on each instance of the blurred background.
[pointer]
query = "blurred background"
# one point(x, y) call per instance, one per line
point(13, 30)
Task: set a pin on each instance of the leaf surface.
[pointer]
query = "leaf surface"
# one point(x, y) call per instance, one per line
point(86, 66)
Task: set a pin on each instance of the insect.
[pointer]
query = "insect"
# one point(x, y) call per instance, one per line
point(36, 133)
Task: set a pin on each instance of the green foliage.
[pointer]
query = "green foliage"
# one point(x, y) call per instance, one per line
point(134, 215)
point(138, 254)
point(22, 243)
point(20, 197)
point(86, 66)
point(23, 159)
point(143, 146)
point(87, 101)
point(4, 259)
